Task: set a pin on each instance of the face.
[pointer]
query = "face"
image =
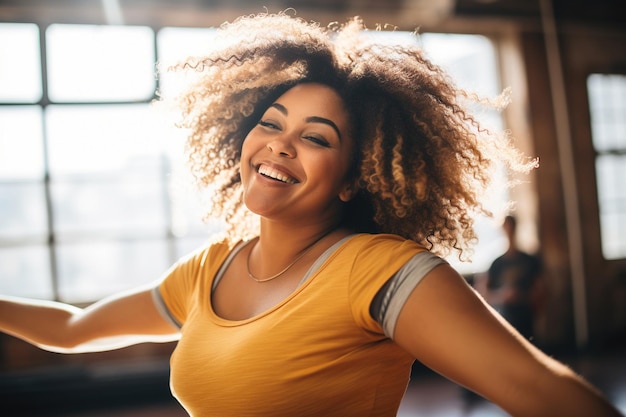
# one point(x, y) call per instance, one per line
point(295, 161)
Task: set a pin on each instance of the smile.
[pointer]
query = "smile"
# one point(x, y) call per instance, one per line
point(270, 172)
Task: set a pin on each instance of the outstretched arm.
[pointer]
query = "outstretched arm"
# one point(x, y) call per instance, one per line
point(450, 329)
point(114, 322)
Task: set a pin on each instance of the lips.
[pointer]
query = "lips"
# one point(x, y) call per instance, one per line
point(275, 174)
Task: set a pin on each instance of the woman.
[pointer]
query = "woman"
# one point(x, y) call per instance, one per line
point(344, 169)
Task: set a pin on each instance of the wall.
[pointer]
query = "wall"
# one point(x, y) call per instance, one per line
point(583, 50)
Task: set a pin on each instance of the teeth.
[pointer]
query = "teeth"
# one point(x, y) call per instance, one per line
point(277, 175)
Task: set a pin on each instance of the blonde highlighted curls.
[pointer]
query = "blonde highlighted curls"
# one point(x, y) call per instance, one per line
point(423, 160)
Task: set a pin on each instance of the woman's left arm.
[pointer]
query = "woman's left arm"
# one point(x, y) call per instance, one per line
point(448, 327)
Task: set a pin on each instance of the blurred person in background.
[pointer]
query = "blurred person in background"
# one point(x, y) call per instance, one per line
point(513, 283)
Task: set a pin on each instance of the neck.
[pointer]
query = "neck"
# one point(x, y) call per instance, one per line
point(279, 243)
point(274, 257)
point(512, 249)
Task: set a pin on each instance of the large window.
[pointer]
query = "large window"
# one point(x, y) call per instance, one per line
point(607, 103)
point(93, 193)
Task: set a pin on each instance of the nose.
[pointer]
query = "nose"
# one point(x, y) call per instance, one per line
point(282, 146)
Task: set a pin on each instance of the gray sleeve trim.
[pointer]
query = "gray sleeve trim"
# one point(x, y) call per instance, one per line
point(227, 261)
point(322, 258)
point(402, 285)
point(162, 308)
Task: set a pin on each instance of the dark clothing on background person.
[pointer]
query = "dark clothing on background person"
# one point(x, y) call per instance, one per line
point(513, 276)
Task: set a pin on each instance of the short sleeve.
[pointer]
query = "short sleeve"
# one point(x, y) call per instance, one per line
point(179, 290)
point(376, 259)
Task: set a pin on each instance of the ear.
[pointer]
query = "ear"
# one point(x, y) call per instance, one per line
point(348, 191)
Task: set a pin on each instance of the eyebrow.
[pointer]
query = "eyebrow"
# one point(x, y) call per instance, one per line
point(311, 119)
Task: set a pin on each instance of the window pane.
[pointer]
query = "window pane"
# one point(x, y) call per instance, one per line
point(20, 64)
point(112, 207)
point(174, 45)
point(88, 141)
point(23, 212)
point(469, 59)
point(187, 212)
point(90, 271)
point(607, 101)
point(100, 63)
point(25, 271)
point(21, 143)
point(607, 107)
point(108, 170)
point(610, 172)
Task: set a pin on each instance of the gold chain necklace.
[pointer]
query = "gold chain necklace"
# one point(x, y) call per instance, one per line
point(292, 263)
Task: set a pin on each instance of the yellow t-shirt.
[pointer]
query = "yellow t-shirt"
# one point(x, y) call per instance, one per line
point(317, 353)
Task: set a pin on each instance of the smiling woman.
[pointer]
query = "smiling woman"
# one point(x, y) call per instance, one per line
point(362, 165)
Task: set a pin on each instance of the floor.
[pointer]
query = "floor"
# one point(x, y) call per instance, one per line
point(433, 396)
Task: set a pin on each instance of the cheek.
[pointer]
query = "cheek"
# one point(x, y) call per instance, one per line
point(244, 161)
point(331, 173)
point(251, 144)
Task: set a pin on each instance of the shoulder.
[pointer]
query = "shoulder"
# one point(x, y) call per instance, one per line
point(365, 241)
point(197, 267)
point(374, 252)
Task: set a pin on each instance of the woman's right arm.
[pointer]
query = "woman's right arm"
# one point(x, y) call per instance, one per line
point(117, 321)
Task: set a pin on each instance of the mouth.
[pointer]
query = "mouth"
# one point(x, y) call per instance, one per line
point(275, 174)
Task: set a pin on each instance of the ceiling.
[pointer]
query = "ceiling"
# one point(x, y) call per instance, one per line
point(213, 12)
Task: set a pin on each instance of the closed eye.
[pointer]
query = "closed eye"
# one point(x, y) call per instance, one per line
point(268, 124)
point(318, 141)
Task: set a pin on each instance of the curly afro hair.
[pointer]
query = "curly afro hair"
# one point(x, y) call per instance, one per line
point(423, 160)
